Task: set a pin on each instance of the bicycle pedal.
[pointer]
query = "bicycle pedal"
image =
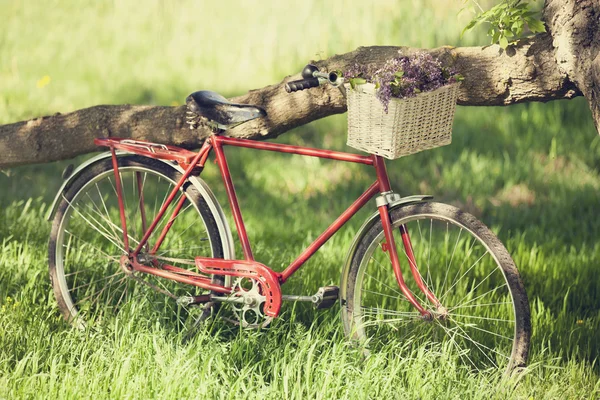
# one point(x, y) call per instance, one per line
point(326, 297)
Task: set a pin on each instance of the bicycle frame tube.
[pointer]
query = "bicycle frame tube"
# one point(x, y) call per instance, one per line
point(233, 201)
point(218, 143)
point(195, 162)
point(120, 197)
point(329, 232)
point(290, 149)
point(381, 185)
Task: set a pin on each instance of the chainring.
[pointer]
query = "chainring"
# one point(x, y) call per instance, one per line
point(249, 305)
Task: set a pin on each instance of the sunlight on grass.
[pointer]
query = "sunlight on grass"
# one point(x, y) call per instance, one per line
point(531, 172)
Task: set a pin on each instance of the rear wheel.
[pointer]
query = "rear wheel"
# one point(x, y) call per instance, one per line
point(484, 318)
point(86, 246)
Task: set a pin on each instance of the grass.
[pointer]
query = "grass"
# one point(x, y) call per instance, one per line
point(531, 172)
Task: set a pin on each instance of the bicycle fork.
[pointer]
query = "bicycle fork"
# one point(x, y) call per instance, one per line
point(390, 247)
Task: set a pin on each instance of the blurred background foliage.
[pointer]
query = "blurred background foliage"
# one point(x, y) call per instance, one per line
point(530, 171)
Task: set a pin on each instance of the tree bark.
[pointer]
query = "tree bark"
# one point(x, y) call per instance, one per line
point(561, 64)
point(573, 25)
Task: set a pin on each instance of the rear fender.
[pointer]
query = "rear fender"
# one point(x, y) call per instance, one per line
point(199, 184)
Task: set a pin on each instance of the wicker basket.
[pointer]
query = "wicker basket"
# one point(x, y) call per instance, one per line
point(411, 125)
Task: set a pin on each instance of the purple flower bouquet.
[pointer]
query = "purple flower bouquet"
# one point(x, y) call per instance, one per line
point(404, 107)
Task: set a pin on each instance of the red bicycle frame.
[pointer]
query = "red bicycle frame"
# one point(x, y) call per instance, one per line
point(190, 161)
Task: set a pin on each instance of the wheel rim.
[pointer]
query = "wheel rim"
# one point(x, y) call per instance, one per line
point(89, 245)
point(463, 273)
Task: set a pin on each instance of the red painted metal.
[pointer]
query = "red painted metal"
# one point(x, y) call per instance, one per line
point(148, 149)
point(169, 224)
point(389, 236)
point(291, 149)
point(413, 266)
point(382, 176)
point(181, 275)
point(233, 202)
point(164, 207)
point(333, 228)
point(140, 189)
point(205, 150)
point(115, 165)
point(267, 278)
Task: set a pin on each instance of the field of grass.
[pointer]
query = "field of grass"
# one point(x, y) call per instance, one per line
point(531, 172)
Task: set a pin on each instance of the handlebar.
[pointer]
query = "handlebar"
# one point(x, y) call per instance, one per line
point(301, 84)
point(313, 78)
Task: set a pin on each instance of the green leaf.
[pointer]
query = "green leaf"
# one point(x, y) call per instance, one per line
point(536, 26)
point(469, 26)
point(495, 37)
point(517, 28)
point(507, 20)
point(399, 74)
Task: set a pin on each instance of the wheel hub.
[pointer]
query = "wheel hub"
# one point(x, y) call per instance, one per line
point(126, 265)
point(440, 313)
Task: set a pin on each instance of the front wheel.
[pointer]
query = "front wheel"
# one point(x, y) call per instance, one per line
point(484, 317)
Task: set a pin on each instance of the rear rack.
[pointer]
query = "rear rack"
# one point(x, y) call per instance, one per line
point(149, 149)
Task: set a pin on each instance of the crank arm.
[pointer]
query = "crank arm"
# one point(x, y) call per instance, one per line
point(324, 298)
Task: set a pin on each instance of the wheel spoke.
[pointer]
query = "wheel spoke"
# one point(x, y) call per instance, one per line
point(389, 287)
point(451, 258)
point(481, 346)
point(378, 311)
point(97, 280)
point(479, 284)
point(88, 252)
point(482, 305)
point(479, 297)
point(478, 327)
point(96, 228)
point(113, 226)
point(461, 352)
point(461, 277)
point(483, 318)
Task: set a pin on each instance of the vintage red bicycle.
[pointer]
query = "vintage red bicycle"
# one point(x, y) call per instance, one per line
point(137, 225)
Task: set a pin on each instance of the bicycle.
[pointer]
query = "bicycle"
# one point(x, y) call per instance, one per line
point(110, 242)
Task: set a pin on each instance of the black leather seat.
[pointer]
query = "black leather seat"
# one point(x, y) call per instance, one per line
point(217, 108)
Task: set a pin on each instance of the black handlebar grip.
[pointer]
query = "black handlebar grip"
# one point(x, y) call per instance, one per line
point(302, 84)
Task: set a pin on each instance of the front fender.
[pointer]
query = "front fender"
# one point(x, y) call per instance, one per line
point(404, 201)
point(199, 184)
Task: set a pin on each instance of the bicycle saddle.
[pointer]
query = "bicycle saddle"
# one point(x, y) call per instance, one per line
point(217, 108)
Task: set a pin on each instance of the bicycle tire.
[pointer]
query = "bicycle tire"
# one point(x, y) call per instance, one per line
point(481, 303)
point(86, 233)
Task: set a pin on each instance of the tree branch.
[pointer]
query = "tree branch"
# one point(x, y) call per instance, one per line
point(527, 72)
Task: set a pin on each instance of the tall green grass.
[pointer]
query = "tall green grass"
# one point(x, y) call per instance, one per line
point(531, 172)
